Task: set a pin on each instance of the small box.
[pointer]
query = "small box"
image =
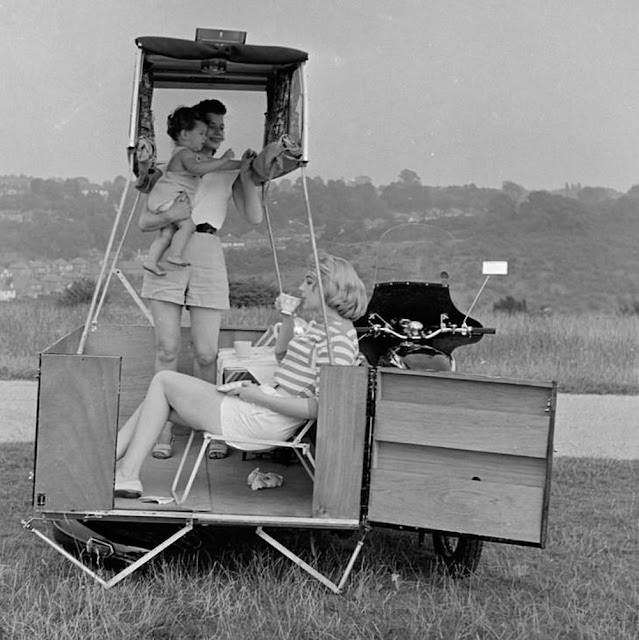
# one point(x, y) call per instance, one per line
point(220, 36)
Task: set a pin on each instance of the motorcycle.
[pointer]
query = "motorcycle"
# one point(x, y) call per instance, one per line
point(413, 324)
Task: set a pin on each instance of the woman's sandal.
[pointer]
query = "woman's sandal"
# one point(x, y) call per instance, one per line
point(163, 450)
point(131, 489)
point(217, 451)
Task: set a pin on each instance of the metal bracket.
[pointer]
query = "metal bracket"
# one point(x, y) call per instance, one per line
point(107, 584)
point(335, 588)
point(134, 294)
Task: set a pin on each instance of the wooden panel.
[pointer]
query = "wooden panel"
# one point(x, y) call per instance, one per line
point(454, 463)
point(76, 432)
point(472, 392)
point(445, 503)
point(464, 454)
point(341, 432)
point(67, 344)
point(462, 428)
point(230, 493)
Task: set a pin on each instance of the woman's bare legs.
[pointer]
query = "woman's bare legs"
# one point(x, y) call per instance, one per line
point(167, 318)
point(191, 401)
point(205, 331)
point(126, 433)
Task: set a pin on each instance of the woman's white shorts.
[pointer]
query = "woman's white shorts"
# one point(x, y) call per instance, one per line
point(243, 420)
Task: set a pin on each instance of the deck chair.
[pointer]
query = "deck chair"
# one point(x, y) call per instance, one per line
point(301, 448)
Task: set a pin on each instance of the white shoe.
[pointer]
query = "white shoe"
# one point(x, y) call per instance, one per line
point(127, 488)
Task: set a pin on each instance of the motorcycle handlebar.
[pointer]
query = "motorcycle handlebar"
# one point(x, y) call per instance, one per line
point(442, 330)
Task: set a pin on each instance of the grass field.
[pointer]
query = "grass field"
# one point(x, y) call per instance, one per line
point(583, 586)
point(585, 353)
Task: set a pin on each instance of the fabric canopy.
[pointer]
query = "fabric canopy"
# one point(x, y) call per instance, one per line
point(172, 63)
point(241, 53)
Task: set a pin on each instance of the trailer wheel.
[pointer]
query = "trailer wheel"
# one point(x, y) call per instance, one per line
point(458, 555)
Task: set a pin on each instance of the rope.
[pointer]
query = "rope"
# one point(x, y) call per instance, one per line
point(271, 238)
point(311, 228)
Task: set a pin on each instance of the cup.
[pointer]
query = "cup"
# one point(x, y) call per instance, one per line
point(243, 348)
point(288, 303)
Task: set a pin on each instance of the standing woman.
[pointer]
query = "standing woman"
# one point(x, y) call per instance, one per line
point(201, 286)
point(272, 413)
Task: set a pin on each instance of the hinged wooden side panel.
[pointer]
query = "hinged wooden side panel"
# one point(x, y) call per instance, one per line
point(76, 432)
point(462, 454)
point(341, 433)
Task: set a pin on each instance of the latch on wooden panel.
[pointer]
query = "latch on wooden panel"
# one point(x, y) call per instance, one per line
point(549, 407)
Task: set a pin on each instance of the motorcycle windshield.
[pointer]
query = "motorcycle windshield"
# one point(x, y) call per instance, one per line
point(415, 265)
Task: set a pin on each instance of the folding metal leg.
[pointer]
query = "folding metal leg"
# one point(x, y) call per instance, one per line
point(107, 584)
point(335, 588)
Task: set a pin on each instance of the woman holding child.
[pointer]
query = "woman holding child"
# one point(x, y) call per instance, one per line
point(249, 412)
point(202, 284)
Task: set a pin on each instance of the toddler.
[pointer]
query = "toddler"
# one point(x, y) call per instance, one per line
point(180, 180)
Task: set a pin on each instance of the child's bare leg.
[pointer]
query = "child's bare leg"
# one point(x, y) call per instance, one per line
point(178, 243)
point(159, 245)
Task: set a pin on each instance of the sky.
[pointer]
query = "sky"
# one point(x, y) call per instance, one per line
point(460, 91)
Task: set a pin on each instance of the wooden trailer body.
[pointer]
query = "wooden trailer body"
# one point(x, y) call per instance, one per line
point(441, 452)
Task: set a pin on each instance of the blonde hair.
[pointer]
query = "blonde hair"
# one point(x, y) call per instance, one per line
point(343, 289)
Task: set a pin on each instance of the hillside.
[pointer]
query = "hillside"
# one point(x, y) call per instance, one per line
point(569, 250)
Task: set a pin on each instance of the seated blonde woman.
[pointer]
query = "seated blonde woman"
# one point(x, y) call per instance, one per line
point(248, 412)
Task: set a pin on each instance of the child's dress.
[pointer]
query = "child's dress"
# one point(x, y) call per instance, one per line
point(170, 186)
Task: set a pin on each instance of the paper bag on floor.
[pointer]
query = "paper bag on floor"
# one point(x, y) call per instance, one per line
point(264, 480)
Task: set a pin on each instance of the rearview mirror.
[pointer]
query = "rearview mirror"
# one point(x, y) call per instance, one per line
point(495, 268)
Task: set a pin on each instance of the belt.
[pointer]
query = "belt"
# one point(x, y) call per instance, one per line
point(205, 227)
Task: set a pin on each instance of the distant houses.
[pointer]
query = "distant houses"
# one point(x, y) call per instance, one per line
point(13, 185)
point(33, 278)
point(7, 288)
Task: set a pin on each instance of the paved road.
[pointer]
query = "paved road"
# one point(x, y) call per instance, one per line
point(585, 425)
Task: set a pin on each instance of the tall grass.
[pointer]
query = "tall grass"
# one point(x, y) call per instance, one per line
point(588, 353)
point(582, 586)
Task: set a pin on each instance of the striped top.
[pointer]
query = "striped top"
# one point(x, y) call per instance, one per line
point(298, 373)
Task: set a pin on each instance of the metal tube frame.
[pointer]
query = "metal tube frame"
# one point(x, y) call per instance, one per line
point(107, 584)
point(327, 582)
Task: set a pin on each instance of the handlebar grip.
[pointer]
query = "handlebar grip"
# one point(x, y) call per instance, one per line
point(483, 330)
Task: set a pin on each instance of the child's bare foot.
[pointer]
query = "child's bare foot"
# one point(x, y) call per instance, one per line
point(153, 268)
point(177, 261)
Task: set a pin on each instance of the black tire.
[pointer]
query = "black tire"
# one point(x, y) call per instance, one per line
point(458, 555)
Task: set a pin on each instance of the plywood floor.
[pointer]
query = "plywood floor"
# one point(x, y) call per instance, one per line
point(221, 487)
